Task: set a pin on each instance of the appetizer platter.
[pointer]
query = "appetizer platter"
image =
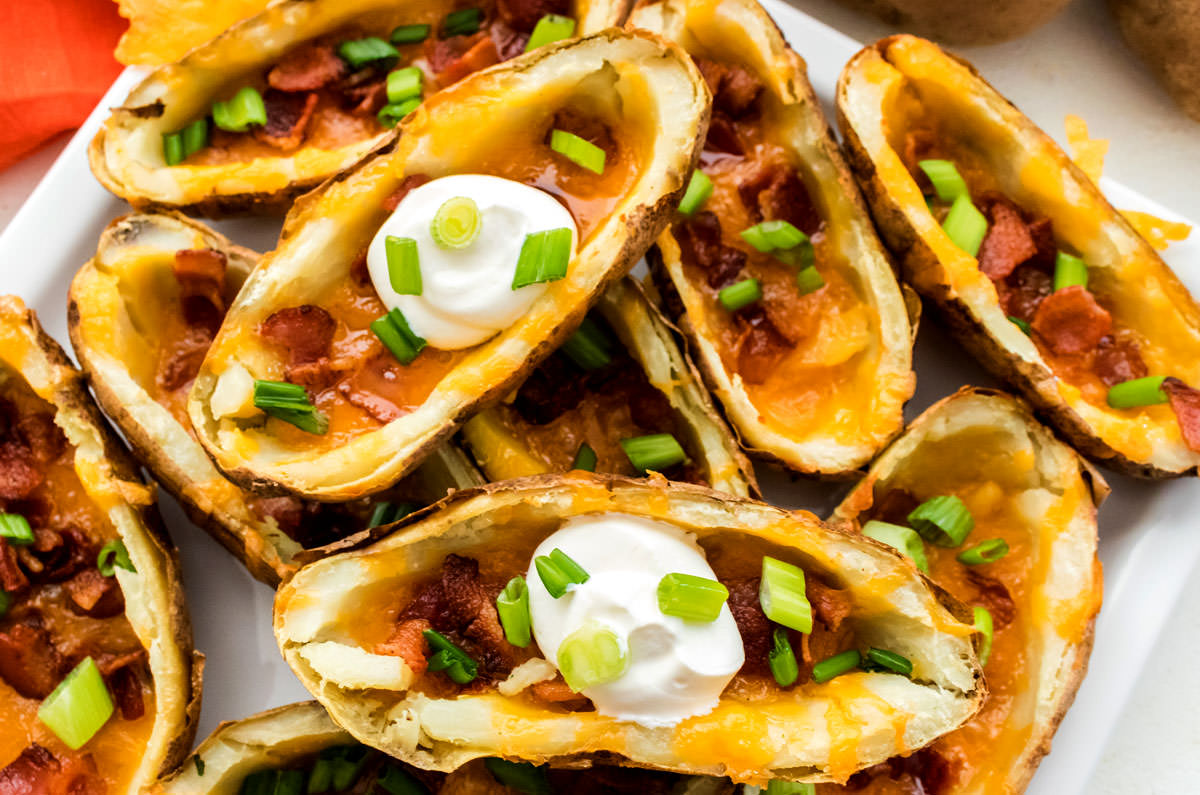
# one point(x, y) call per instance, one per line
point(502, 478)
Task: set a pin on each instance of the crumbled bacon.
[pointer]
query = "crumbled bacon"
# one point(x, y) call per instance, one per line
point(37, 771)
point(551, 390)
point(1118, 360)
point(700, 240)
point(29, 661)
point(1185, 402)
point(454, 58)
point(830, 606)
point(558, 692)
point(19, 474)
point(180, 370)
point(760, 346)
point(1070, 321)
point(752, 623)
point(56, 555)
point(918, 145)
point(524, 14)
point(200, 273)
point(367, 98)
point(408, 643)
point(288, 116)
point(12, 579)
point(1024, 290)
point(509, 43)
point(994, 596)
point(288, 512)
point(777, 193)
point(306, 332)
point(95, 595)
point(734, 89)
point(1008, 242)
point(368, 384)
point(723, 135)
point(126, 687)
point(307, 68)
point(925, 772)
point(42, 436)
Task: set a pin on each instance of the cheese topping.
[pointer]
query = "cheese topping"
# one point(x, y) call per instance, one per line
point(676, 668)
point(466, 295)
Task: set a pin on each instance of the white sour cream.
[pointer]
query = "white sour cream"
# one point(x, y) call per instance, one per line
point(467, 296)
point(676, 668)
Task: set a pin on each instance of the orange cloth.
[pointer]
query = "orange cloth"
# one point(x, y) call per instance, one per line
point(56, 62)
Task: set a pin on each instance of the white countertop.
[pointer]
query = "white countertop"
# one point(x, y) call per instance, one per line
point(1076, 64)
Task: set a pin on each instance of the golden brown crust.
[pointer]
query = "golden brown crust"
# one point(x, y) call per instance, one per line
point(955, 22)
point(1166, 35)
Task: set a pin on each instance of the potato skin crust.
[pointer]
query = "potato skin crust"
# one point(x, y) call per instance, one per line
point(956, 22)
point(1166, 36)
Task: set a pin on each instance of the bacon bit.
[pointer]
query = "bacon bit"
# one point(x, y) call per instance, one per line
point(918, 145)
point(12, 579)
point(777, 193)
point(37, 771)
point(181, 370)
point(994, 596)
point(894, 506)
point(390, 204)
point(700, 241)
point(830, 606)
point(94, 594)
point(288, 116)
point(1008, 242)
point(1118, 360)
point(734, 89)
point(1158, 232)
point(201, 276)
point(29, 661)
point(509, 43)
point(366, 387)
point(926, 772)
point(19, 474)
point(589, 128)
point(760, 346)
point(288, 512)
point(407, 642)
point(307, 68)
point(559, 693)
point(1185, 402)
point(368, 98)
point(752, 623)
point(60, 553)
point(723, 135)
point(42, 436)
point(469, 607)
point(126, 687)
point(305, 331)
point(524, 14)
point(1024, 290)
point(455, 58)
point(1088, 153)
point(1070, 321)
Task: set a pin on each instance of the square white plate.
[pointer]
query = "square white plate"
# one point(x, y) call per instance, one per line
point(1147, 551)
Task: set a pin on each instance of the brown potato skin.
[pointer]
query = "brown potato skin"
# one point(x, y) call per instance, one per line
point(1165, 34)
point(957, 22)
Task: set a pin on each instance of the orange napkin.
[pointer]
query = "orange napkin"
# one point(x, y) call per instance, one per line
point(56, 62)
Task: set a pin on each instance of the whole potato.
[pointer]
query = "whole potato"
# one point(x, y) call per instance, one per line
point(970, 22)
point(1166, 35)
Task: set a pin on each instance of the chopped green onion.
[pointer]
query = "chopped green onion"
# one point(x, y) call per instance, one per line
point(741, 294)
point(320, 778)
point(591, 655)
point(579, 151)
point(557, 571)
point(199, 763)
point(410, 34)
point(690, 597)
point(983, 624)
point(348, 762)
point(1069, 271)
point(512, 605)
point(5, 602)
point(173, 148)
point(544, 257)
point(404, 265)
point(447, 657)
point(521, 776)
point(456, 223)
point(944, 521)
point(809, 280)
point(774, 236)
point(398, 781)
point(387, 512)
point(801, 257)
point(1021, 324)
point(195, 137)
point(1137, 392)
point(398, 337)
point(988, 551)
point(588, 347)
point(585, 458)
point(290, 782)
point(15, 529)
point(904, 539)
point(289, 403)
point(888, 660)
point(369, 51)
point(836, 665)
point(782, 660)
point(391, 115)
point(260, 782)
point(237, 114)
point(780, 787)
point(947, 182)
point(404, 84)
point(782, 595)
point(654, 452)
point(550, 28)
point(111, 555)
point(463, 22)
point(79, 706)
point(965, 225)
point(699, 188)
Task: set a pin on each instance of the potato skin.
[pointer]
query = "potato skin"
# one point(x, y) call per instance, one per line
point(1166, 36)
point(957, 22)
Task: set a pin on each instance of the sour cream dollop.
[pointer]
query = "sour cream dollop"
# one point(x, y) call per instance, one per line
point(467, 296)
point(676, 668)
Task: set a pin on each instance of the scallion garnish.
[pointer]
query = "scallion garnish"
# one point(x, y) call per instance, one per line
point(246, 107)
point(289, 403)
point(173, 148)
point(404, 264)
point(782, 596)
point(771, 236)
point(582, 152)
point(585, 458)
point(290, 782)
point(456, 223)
point(369, 51)
point(699, 188)
point(388, 512)
point(557, 571)
point(654, 452)
point(1021, 324)
point(410, 34)
point(404, 84)
point(447, 657)
point(888, 661)
point(1138, 392)
point(398, 781)
point(522, 776)
point(15, 529)
point(690, 597)
point(544, 257)
point(79, 706)
point(195, 137)
point(1069, 271)
point(836, 665)
point(947, 182)
point(588, 347)
point(112, 555)
point(965, 225)
point(780, 787)
point(740, 294)
point(904, 539)
point(337, 769)
point(983, 624)
point(943, 520)
point(591, 655)
point(463, 22)
point(398, 337)
point(199, 764)
point(512, 605)
point(802, 256)
point(988, 551)
point(782, 660)
point(260, 782)
point(550, 28)
point(809, 280)
point(391, 115)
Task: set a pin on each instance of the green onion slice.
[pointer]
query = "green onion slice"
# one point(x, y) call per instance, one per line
point(741, 294)
point(585, 458)
point(79, 706)
point(246, 107)
point(809, 280)
point(947, 182)
point(173, 148)
point(456, 223)
point(1137, 392)
point(550, 28)
point(289, 403)
point(344, 763)
point(1069, 271)
point(463, 22)
point(195, 137)
point(699, 188)
point(889, 661)
point(836, 665)
point(589, 347)
point(15, 529)
point(111, 555)
point(447, 657)
point(290, 782)
point(398, 781)
point(983, 624)
point(1021, 324)
point(398, 337)
point(558, 570)
point(902, 538)
point(405, 83)
point(988, 551)
point(404, 265)
point(591, 655)
point(965, 225)
point(5, 602)
point(943, 520)
point(782, 595)
point(260, 782)
point(320, 778)
point(774, 236)
point(410, 34)
point(369, 51)
point(544, 257)
point(391, 115)
point(199, 763)
point(521, 776)
point(387, 512)
point(690, 597)
point(781, 787)
point(782, 660)
point(654, 452)
point(579, 151)
point(513, 607)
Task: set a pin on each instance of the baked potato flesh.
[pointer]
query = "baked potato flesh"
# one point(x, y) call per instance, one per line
point(1023, 486)
point(814, 376)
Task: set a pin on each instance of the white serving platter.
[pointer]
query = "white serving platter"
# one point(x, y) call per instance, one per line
point(1147, 548)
